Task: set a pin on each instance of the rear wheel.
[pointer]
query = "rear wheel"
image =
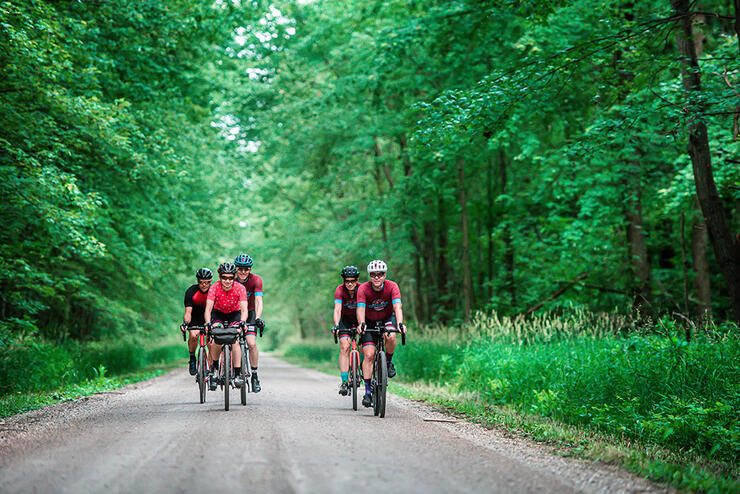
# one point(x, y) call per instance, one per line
point(243, 375)
point(354, 377)
point(227, 375)
point(201, 376)
point(382, 383)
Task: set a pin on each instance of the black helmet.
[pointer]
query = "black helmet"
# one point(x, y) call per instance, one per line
point(227, 268)
point(204, 274)
point(350, 272)
point(243, 261)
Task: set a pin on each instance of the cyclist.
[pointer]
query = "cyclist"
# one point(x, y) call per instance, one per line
point(253, 284)
point(195, 307)
point(345, 317)
point(226, 305)
point(378, 300)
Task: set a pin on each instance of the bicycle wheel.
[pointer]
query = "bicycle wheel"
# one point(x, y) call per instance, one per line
point(227, 375)
point(382, 383)
point(243, 375)
point(201, 376)
point(354, 377)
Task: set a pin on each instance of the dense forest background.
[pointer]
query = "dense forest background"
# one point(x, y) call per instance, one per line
point(507, 156)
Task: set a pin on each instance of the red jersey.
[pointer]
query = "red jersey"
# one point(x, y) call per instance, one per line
point(253, 285)
point(378, 305)
point(349, 302)
point(227, 301)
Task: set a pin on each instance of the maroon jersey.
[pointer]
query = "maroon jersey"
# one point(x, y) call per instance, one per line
point(253, 285)
point(378, 305)
point(227, 301)
point(349, 302)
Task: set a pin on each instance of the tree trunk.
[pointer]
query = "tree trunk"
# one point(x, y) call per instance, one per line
point(442, 266)
point(723, 242)
point(467, 278)
point(638, 251)
point(700, 265)
point(508, 244)
point(379, 181)
point(489, 228)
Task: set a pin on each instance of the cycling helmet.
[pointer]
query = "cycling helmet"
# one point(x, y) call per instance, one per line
point(204, 274)
point(350, 272)
point(227, 268)
point(243, 261)
point(377, 265)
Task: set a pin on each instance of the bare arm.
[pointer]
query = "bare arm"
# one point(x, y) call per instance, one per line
point(209, 308)
point(258, 307)
point(188, 316)
point(244, 309)
point(337, 314)
point(399, 313)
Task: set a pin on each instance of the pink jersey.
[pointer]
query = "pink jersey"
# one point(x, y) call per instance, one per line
point(349, 302)
point(227, 301)
point(254, 288)
point(378, 305)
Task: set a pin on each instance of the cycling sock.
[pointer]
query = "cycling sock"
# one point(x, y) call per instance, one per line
point(345, 376)
point(192, 355)
point(254, 370)
point(237, 370)
point(388, 357)
point(215, 365)
point(367, 386)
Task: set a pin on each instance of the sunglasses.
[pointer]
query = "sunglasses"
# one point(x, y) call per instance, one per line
point(377, 275)
point(227, 278)
point(244, 269)
point(350, 281)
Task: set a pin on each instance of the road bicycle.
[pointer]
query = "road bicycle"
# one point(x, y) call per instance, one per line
point(202, 364)
point(355, 373)
point(227, 336)
point(379, 379)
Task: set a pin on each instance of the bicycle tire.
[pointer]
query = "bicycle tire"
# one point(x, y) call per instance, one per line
point(382, 383)
point(243, 375)
point(375, 385)
point(354, 376)
point(201, 376)
point(227, 375)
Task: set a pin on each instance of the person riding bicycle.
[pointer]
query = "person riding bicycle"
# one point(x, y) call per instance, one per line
point(195, 307)
point(345, 318)
point(253, 284)
point(378, 300)
point(226, 305)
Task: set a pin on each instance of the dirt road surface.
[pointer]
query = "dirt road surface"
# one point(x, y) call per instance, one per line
point(296, 436)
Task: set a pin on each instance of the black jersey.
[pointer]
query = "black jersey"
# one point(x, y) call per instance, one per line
point(197, 300)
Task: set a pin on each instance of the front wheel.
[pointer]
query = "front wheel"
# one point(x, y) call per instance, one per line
point(201, 376)
point(227, 375)
point(382, 383)
point(354, 377)
point(243, 375)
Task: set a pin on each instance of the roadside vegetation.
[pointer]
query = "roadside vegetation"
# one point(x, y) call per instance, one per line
point(594, 386)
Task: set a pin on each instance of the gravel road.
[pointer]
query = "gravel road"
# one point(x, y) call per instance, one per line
point(297, 435)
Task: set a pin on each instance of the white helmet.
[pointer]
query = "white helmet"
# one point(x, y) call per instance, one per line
point(377, 265)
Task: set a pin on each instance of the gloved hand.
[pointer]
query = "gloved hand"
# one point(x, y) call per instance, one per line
point(362, 327)
point(335, 328)
point(402, 327)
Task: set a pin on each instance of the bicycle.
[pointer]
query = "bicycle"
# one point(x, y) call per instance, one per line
point(379, 379)
point(202, 363)
point(355, 373)
point(226, 336)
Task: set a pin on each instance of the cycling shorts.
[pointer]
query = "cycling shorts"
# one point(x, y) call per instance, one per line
point(345, 324)
point(226, 318)
point(372, 338)
point(251, 319)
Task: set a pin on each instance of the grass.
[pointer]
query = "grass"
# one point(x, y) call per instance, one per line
point(54, 372)
point(590, 386)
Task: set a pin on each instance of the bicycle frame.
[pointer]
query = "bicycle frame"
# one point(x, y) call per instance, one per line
point(355, 372)
point(379, 379)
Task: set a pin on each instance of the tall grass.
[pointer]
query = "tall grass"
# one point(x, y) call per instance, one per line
point(33, 365)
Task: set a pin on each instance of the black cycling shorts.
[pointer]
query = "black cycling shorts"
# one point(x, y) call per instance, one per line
point(372, 338)
point(345, 324)
point(225, 317)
